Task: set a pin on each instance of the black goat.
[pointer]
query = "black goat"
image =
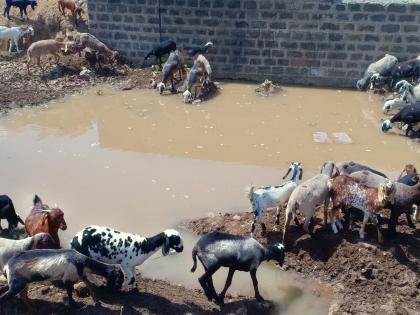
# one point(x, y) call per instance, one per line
point(406, 69)
point(192, 52)
point(409, 115)
point(217, 250)
point(161, 49)
point(7, 211)
point(21, 4)
point(66, 265)
point(94, 58)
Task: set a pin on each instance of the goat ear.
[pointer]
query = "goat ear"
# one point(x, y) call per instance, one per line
point(301, 174)
point(322, 167)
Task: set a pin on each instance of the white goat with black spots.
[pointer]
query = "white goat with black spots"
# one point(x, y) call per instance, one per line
point(129, 250)
point(273, 196)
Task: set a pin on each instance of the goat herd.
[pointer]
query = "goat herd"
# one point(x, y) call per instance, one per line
point(113, 254)
point(389, 75)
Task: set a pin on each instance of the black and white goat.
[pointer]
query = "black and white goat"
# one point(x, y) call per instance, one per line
point(21, 4)
point(161, 49)
point(263, 198)
point(409, 115)
point(171, 66)
point(408, 95)
point(14, 34)
point(216, 250)
point(66, 265)
point(8, 212)
point(200, 73)
point(129, 250)
point(9, 248)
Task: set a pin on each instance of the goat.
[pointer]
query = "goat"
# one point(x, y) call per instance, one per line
point(71, 5)
point(45, 47)
point(346, 168)
point(13, 34)
point(263, 198)
point(308, 195)
point(383, 67)
point(129, 250)
point(161, 49)
point(8, 212)
point(409, 115)
point(94, 58)
point(192, 52)
point(9, 248)
point(171, 66)
point(44, 219)
point(408, 95)
point(21, 4)
point(411, 178)
point(199, 73)
point(374, 181)
point(346, 192)
point(87, 40)
point(407, 198)
point(217, 249)
point(66, 265)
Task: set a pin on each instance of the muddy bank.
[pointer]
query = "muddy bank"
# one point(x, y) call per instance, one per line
point(20, 89)
point(364, 276)
point(155, 297)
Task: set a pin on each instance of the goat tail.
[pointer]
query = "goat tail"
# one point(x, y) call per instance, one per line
point(194, 257)
point(250, 192)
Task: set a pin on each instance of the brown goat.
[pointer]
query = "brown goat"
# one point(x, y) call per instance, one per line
point(71, 5)
point(45, 47)
point(87, 40)
point(44, 219)
point(346, 192)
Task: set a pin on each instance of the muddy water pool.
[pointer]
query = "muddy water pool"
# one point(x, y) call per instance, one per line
point(142, 162)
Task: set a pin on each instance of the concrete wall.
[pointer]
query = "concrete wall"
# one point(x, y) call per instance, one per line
point(316, 42)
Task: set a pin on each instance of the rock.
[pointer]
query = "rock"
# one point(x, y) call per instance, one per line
point(81, 290)
point(86, 74)
point(236, 217)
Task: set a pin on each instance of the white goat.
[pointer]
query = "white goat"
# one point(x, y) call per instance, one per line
point(14, 34)
point(308, 195)
point(382, 67)
point(408, 95)
point(273, 196)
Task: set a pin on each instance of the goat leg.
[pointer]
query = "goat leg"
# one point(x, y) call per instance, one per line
point(69, 289)
point(258, 296)
point(264, 229)
point(222, 294)
point(25, 299)
point(277, 215)
point(362, 228)
point(326, 202)
point(393, 222)
point(409, 220)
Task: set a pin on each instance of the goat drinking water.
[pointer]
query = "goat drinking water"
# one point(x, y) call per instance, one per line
point(171, 66)
point(216, 250)
point(199, 73)
point(129, 250)
point(273, 196)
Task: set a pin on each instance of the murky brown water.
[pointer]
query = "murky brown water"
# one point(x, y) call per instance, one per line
point(142, 162)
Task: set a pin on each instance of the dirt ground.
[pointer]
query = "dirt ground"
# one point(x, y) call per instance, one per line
point(19, 89)
point(154, 297)
point(366, 278)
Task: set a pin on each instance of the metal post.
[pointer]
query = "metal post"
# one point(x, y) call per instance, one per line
point(160, 23)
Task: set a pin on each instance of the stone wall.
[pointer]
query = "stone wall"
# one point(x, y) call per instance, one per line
point(312, 42)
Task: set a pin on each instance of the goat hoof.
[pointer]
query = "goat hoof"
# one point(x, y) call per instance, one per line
point(259, 298)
